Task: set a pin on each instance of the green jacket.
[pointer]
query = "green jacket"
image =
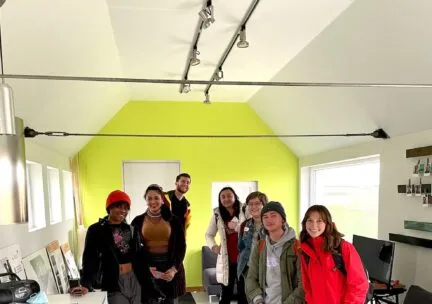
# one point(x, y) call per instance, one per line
point(292, 289)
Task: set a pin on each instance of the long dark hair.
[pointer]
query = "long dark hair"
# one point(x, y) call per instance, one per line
point(226, 216)
point(165, 210)
point(332, 237)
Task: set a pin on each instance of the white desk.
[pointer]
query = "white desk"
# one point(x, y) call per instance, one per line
point(98, 297)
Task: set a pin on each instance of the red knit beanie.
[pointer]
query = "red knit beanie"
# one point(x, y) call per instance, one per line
point(117, 196)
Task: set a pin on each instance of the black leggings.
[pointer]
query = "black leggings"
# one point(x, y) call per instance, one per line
point(228, 291)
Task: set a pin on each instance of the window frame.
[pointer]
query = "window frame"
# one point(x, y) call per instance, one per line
point(31, 207)
point(308, 179)
point(60, 213)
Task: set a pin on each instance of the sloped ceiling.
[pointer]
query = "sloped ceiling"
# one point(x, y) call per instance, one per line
point(382, 41)
point(55, 37)
point(154, 39)
point(140, 38)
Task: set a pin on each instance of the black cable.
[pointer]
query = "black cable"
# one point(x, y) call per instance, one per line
point(30, 133)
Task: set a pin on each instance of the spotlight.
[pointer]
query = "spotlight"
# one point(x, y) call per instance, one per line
point(219, 75)
point(186, 88)
point(207, 99)
point(207, 16)
point(195, 60)
point(243, 43)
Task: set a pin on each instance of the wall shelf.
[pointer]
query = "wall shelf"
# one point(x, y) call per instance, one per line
point(420, 226)
point(419, 152)
point(411, 240)
point(426, 188)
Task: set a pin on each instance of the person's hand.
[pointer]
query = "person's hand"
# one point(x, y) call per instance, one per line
point(155, 273)
point(169, 274)
point(232, 225)
point(78, 291)
point(216, 249)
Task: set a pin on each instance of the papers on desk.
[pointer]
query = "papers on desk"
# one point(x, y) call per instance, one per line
point(99, 297)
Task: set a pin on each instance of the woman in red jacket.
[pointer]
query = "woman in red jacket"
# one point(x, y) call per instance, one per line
point(332, 271)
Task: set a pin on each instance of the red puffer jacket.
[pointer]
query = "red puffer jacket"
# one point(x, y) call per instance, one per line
point(324, 283)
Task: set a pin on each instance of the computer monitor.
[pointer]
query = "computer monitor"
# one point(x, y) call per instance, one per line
point(377, 257)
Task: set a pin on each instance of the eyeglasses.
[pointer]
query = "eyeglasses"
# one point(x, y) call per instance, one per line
point(254, 204)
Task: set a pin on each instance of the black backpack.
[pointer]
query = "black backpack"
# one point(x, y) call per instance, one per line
point(340, 264)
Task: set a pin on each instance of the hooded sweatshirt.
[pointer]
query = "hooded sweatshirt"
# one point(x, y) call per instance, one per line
point(273, 289)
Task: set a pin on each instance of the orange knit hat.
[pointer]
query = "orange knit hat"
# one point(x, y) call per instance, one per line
point(117, 196)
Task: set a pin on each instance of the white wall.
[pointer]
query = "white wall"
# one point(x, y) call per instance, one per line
point(412, 264)
point(32, 241)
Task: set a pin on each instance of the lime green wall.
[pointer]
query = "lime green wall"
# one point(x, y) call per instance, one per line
point(268, 161)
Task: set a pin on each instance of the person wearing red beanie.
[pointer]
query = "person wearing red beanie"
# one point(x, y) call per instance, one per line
point(110, 257)
point(117, 196)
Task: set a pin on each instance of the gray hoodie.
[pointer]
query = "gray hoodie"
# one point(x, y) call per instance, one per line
point(273, 290)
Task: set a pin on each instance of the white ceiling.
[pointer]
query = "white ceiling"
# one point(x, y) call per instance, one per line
point(154, 39)
point(382, 41)
point(58, 37)
point(338, 40)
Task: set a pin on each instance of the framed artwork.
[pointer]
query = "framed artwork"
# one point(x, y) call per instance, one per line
point(11, 261)
point(38, 268)
point(58, 266)
point(70, 262)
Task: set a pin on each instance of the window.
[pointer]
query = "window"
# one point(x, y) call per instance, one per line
point(350, 190)
point(35, 196)
point(53, 177)
point(241, 188)
point(68, 196)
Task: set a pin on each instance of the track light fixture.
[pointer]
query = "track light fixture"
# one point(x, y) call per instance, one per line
point(194, 59)
point(243, 43)
point(219, 75)
point(186, 88)
point(207, 15)
point(207, 98)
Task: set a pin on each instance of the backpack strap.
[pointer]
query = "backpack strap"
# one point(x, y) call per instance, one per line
point(296, 246)
point(338, 260)
point(261, 244)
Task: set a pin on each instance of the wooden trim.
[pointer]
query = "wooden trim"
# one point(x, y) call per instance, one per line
point(419, 152)
point(194, 289)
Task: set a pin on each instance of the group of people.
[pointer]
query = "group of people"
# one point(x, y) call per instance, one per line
point(260, 255)
point(141, 262)
point(258, 252)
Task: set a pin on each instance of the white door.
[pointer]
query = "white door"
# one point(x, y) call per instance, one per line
point(138, 175)
point(241, 188)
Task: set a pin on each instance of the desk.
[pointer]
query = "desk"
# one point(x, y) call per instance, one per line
point(98, 297)
point(383, 294)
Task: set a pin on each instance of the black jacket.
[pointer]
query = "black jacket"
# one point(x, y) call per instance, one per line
point(99, 256)
point(176, 249)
